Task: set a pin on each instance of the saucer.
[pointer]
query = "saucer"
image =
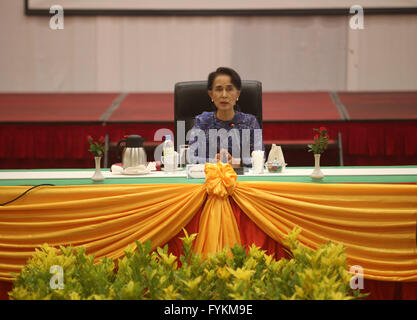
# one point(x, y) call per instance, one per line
point(135, 173)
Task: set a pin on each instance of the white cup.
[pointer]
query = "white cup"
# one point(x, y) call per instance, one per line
point(258, 161)
point(171, 163)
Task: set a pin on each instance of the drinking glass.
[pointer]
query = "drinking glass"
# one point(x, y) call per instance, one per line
point(184, 157)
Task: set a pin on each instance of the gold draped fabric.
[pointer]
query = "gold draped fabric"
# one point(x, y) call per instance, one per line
point(375, 222)
point(103, 219)
point(218, 227)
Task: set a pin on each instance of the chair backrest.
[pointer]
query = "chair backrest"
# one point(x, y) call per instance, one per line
point(191, 98)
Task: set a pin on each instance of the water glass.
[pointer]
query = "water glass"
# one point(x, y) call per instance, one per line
point(184, 157)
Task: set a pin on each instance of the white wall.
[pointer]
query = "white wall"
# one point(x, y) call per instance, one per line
point(150, 54)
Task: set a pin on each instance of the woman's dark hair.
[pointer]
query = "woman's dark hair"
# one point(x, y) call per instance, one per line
point(234, 77)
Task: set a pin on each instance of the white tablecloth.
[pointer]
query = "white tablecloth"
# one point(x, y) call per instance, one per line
point(81, 174)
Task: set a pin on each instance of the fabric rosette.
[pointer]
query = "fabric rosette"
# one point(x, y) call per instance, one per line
point(220, 179)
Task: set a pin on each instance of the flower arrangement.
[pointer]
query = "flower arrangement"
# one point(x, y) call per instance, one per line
point(145, 274)
point(321, 139)
point(97, 148)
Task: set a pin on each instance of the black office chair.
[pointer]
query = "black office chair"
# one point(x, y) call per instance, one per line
point(191, 98)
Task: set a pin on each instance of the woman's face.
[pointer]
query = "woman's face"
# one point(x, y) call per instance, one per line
point(224, 94)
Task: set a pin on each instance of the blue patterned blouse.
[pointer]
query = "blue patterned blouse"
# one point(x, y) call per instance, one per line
point(243, 134)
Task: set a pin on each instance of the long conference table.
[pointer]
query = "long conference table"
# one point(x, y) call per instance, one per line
point(371, 210)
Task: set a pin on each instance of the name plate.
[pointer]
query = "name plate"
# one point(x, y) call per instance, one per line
point(195, 171)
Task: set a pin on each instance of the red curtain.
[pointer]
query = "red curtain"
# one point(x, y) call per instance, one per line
point(60, 145)
point(65, 145)
point(370, 138)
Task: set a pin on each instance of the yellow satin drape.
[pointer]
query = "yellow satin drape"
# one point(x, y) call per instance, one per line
point(103, 219)
point(375, 222)
point(218, 227)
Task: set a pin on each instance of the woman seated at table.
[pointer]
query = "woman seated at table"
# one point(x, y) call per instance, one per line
point(234, 142)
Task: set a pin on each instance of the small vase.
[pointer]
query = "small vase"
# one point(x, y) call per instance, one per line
point(97, 176)
point(317, 173)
